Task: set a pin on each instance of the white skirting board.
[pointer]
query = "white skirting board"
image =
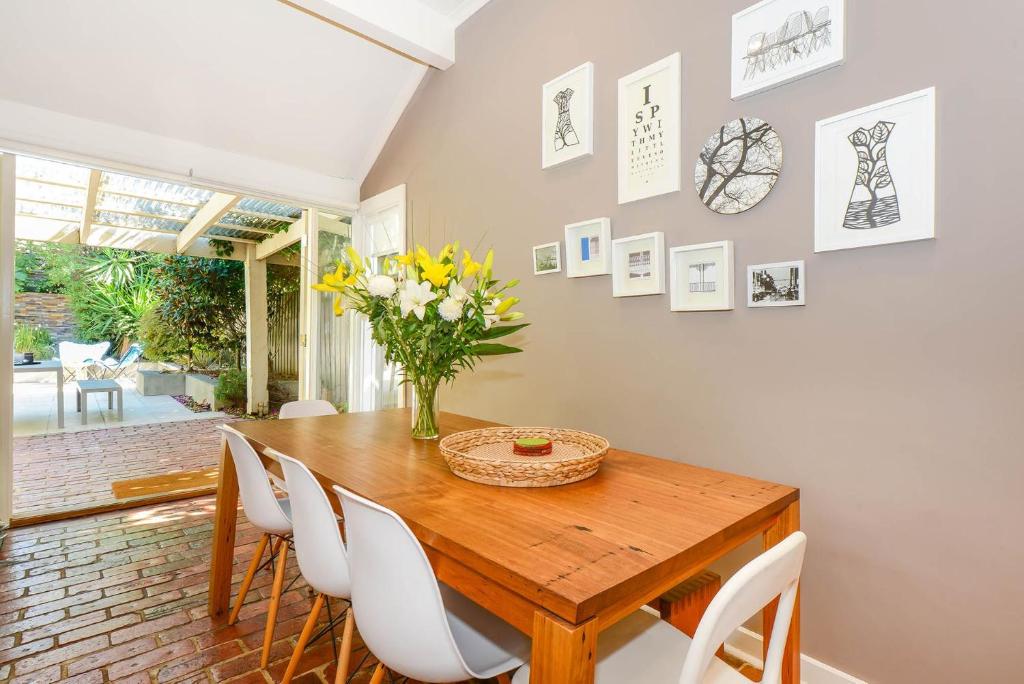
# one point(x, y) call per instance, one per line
point(746, 645)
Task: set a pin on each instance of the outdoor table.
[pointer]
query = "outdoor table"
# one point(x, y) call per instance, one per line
point(559, 563)
point(52, 366)
point(110, 387)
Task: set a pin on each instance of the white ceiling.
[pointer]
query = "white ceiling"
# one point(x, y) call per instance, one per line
point(253, 77)
point(456, 10)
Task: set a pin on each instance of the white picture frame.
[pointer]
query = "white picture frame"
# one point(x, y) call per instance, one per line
point(567, 121)
point(547, 258)
point(782, 281)
point(638, 265)
point(588, 248)
point(701, 277)
point(649, 135)
point(901, 152)
point(775, 42)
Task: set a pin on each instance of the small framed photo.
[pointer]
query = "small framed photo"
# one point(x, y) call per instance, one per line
point(780, 284)
point(779, 41)
point(567, 116)
point(638, 265)
point(547, 258)
point(588, 248)
point(701, 277)
point(650, 102)
point(874, 174)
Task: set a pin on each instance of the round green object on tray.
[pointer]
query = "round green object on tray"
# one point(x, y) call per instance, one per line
point(532, 442)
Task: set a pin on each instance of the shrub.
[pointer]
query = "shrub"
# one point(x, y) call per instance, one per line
point(231, 388)
point(33, 339)
point(161, 341)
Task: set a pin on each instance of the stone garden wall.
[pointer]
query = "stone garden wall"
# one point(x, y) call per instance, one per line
point(49, 311)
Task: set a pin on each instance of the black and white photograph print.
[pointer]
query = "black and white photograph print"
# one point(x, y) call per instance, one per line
point(874, 180)
point(779, 41)
point(780, 284)
point(701, 277)
point(567, 116)
point(547, 258)
point(638, 265)
point(588, 248)
point(738, 165)
point(650, 102)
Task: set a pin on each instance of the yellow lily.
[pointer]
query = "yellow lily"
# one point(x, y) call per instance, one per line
point(406, 259)
point(488, 263)
point(437, 273)
point(422, 256)
point(469, 267)
point(338, 308)
point(513, 316)
point(506, 305)
point(357, 260)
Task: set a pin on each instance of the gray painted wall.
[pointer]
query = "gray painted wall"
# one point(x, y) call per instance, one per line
point(892, 399)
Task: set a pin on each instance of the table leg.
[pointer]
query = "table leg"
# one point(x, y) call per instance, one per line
point(787, 523)
point(223, 555)
point(110, 401)
point(60, 397)
point(120, 404)
point(563, 653)
point(85, 406)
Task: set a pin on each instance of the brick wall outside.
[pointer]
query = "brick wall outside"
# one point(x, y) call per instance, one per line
point(49, 311)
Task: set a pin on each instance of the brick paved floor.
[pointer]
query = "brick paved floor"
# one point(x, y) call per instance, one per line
point(122, 597)
point(74, 470)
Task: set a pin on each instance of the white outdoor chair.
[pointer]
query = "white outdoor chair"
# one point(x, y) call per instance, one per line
point(270, 515)
point(322, 558)
point(414, 625)
point(77, 357)
point(644, 648)
point(303, 408)
point(306, 408)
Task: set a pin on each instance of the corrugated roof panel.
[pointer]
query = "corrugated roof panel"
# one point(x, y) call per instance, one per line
point(58, 194)
point(263, 206)
point(55, 172)
point(53, 211)
point(157, 190)
point(106, 200)
point(130, 221)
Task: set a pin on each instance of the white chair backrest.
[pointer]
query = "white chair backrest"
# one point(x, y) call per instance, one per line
point(776, 572)
point(306, 408)
point(73, 353)
point(261, 506)
point(402, 618)
point(319, 548)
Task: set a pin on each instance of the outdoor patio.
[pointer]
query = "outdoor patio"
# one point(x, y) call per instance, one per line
point(76, 469)
point(35, 408)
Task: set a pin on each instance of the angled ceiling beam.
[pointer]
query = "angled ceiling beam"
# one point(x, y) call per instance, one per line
point(410, 29)
point(275, 244)
point(211, 212)
point(90, 206)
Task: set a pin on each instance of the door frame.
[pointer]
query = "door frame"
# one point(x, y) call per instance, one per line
point(7, 247)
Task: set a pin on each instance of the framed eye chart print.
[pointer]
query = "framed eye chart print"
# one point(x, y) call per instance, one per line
point(650, 101)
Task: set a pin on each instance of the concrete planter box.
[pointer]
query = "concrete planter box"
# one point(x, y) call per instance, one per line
point(201, 389)
point(151, 383)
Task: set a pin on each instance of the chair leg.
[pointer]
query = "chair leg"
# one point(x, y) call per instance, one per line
point(378, 674)
point(275, 601)
point(504, 679)
point(345, 658)
point(249, 574)
point(300, 646)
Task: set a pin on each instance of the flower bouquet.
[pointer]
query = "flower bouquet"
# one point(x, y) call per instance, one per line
point(433, 315)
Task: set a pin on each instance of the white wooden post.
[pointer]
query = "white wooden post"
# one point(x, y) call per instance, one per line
point(256, 351)
point(309, 307)
point(6, 337)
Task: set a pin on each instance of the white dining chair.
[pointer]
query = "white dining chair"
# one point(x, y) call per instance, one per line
point(644, 648)
point(320, 552)
point(271, 516)
point(412, 623)
point(302, 408)
point(307, 408)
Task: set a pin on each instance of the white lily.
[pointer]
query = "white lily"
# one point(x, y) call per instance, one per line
point(457, 292)
point(415, 298)
point(490, 317)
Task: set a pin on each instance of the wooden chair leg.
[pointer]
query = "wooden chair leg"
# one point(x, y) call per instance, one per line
point(275, 601)
point(300, 646)
point(504, 679)
point(345, 657)
point(249, 574)
point(378, 674)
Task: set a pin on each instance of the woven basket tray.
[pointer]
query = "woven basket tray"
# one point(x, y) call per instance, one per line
point(486, 456)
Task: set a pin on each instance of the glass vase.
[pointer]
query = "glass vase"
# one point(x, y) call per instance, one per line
point(426, 411)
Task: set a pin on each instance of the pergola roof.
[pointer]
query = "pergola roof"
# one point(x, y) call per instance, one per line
point(59, 202)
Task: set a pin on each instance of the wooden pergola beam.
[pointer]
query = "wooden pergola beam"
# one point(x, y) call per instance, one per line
point(275, 244)
point(90, 206)
point(209, 214)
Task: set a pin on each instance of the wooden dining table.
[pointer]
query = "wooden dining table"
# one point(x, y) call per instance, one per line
point(559, 563)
